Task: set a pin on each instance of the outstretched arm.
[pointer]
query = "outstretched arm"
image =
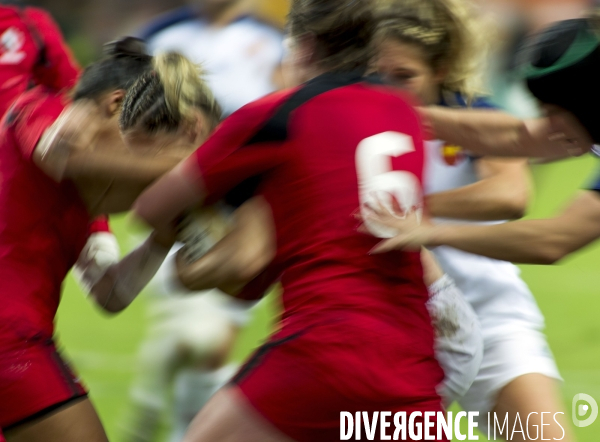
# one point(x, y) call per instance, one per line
point(79, 146)
point(544, 241)
point(114, 284)
point(493, 133)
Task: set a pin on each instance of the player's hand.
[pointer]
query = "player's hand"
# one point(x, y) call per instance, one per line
point(412, 232)
point(563, 135)
point(74, 130)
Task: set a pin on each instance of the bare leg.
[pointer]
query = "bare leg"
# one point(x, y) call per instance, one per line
point(229, 418)
point(534, 393)
point(76, 422)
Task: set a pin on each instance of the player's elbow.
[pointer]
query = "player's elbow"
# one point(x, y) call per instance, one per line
point(549, 255)
point(516, 208)
point(108, 297)
point(514, 200)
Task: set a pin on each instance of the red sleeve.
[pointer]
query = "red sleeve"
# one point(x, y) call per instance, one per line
point(100, 225)
point(31, 116)
point(234, 154)
point(60, 70)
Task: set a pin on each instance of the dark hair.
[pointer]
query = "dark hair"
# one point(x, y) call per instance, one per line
point(124, 62)
point(166, 97)
point(342, 29)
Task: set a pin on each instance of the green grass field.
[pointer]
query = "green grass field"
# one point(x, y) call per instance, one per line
point(103, 348)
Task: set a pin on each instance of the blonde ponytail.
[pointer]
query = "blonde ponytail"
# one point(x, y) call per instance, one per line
point(169, 96)
point(185, 87)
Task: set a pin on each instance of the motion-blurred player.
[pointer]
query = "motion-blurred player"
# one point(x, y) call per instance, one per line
point(430, 47)
point(340, 344)
point(534, 241)
point(61, 162)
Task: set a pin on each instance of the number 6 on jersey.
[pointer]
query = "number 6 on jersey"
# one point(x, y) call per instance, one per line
point(378, 182)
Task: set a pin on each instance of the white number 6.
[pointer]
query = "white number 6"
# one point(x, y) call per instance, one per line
point(378, 181)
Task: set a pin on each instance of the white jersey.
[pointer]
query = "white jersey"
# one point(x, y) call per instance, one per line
point(494, 288)
point(239, 59)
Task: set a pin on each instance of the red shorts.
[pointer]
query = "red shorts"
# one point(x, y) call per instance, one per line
point(34, 379)
point(302, 382)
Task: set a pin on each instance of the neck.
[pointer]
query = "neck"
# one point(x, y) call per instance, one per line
point(314, 72)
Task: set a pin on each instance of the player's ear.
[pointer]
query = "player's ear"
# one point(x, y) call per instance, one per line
point(111, 102)
point(306, 49)
point(441, 73)
point(198, 130)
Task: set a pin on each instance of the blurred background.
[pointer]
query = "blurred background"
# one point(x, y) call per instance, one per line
point(103, 349)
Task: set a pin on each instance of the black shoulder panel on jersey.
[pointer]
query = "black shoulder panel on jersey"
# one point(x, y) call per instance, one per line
point(276, 128)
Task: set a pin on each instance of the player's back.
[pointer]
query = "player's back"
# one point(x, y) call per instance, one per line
point(354, 321)
point(344, 140)
point(43, 224)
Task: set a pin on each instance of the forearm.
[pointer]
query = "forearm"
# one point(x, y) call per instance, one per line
point(122, 282)
point(486, 200)
point(530, 241)
point(167, 199)
point(484, 132)
point(104, 165)
point(494, 133)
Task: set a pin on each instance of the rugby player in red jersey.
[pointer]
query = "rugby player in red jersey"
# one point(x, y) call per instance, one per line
point(62, 164)
point(32, 52)
point(314, 153)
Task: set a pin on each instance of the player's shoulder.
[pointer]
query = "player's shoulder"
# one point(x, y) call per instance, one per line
point(389, 99)
point(40, 99)
point(258, 117)
point(267, 104)
point(167, 22)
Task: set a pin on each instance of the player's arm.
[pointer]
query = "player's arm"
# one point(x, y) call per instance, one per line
point(226, 160)
point(115, 283)
point(239, 257)
point(494, 133)
point(543, 241)
point(64, 151)
point(502, 192)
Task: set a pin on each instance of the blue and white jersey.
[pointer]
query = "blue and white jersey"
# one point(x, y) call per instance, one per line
point(239, 59)
point(494, 288)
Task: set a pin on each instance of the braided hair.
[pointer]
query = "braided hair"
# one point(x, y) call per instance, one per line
point(166, 97)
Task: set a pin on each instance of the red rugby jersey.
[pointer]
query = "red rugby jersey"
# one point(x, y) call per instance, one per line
point(32, 51)
point(43, 224)
point(310, 152)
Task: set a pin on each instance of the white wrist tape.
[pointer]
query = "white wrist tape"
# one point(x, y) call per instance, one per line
point(100, 252)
